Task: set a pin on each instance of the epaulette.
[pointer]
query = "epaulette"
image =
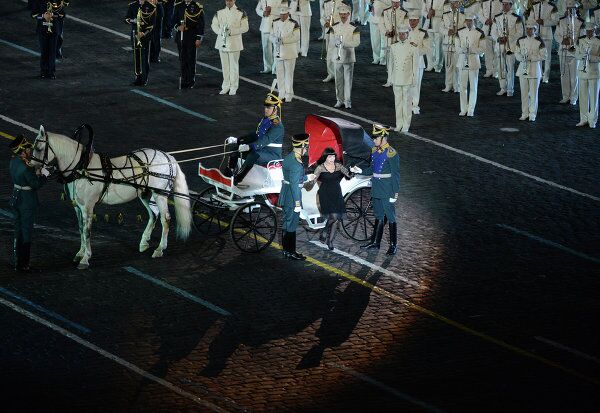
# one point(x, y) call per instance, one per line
point(563, 17)
point(519, 18)
point(387, 8)
point(277, 19)
point(595, 8)
point(462, 28)
point(403, 9)
point(356, 29)
point(522, 37)
point(449, 11)
point(335, 23)
point(293, 21)
point(499, 14)
point(424, 31)
point(480, 31)
point(534, 3)
point(581, 37)
point(580, 19)
point(391, 152)
point(539, 39)
point(554, 8)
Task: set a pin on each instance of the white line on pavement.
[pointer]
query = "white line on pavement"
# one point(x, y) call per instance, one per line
point(569, 349)
point(111, 356)
point(351, 115)
point(370, 265)
point(550, 243)
point(388, 389)
point(14, 122)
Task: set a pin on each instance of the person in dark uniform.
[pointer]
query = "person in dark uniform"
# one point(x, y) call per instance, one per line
point(24, 199)
point(168, 23)
point(189, 18)
point(59, 24)
point(290, 197)
point(265, 144)
point(155, 40)
point(385, 184)
point(45, 14)
point(141, 16)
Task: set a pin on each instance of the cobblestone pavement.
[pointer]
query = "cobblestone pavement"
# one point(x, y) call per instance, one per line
point(490, 305)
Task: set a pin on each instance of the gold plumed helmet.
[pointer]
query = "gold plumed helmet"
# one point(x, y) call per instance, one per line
point(300, 140)
point(380, 131)
point(273, 100)
point(19, 144)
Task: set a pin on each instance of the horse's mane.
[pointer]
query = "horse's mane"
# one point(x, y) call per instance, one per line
point(63, 145)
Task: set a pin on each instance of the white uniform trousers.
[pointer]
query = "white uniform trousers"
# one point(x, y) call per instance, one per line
point(529, 96)
point(343, 82)
point(506, 72)
point(548, 61)
point(304, 34)
point(416, 91)
point(452, 76)
point(435, 55)
point(491, 57)
point(403, 103)
point(588, 100)
point(358, 10)
point(267, 52)
point(285, 78)
point(330, 64)
point(377, 41)
point(568, 77)
point(468, 79)
point(230, 63)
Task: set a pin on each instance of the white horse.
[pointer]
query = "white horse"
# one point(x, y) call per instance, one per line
point(148, 173)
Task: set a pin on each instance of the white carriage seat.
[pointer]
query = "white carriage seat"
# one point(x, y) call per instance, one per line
point(265, 178)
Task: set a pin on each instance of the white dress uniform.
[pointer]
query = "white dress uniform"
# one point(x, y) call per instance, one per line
point(530, 52)
point(588, 52)
point(359, 11)
point(490, 8)
point(330, 8)
point(469, 45)
point(569, 27)
point(284, 36)
point(435, 58)
point(453, 19)
point(548, 12)
point(321, 17)
point(265, 26)
point(392, 19)
point(301, 12)
point(421, 38)
point(344, 39)
point(229, 24)
point(595, 16)
point(404, 56)
point(377, 30)
point(510, 24)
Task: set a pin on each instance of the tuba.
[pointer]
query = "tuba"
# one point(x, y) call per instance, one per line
point(49, 24)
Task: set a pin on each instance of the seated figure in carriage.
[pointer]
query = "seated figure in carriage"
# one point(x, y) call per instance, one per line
point(261, 146)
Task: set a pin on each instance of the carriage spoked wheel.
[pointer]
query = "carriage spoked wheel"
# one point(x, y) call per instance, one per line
point(210, 216)
point(359, 214)
point(253, 227)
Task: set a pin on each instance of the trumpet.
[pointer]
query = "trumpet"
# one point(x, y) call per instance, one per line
point(506, 34)
point(224, 33)
point(586, 58)
point(339, 47)
point(394, 27)
point(278, 46)
point(468, 52)
point(525, 54)
point(49, 24)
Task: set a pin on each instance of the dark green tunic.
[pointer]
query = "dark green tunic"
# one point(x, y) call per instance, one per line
point(24, 201)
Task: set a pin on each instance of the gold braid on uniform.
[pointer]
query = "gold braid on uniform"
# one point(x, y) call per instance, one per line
point(192, 17)
point(300, 140)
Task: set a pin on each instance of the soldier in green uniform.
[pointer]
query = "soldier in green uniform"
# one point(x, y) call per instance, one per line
point(385, 184)
point(290, 197)
point(24, 199)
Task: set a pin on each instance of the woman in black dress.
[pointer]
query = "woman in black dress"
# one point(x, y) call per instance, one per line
point(329, 173)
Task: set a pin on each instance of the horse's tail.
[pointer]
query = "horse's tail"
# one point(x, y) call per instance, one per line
point(183, 212)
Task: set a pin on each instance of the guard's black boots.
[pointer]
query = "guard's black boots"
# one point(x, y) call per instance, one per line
point(376, 236)
point(393, 239)
point(24, 251)
point(16, 254)
point(285, 244)
point(293, 254)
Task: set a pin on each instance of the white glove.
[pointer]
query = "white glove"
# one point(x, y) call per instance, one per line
point(133, 21)
point(231, 139)
point(244, 148)
point(311, 177)
point(297, 209)
point(45, 172)
point(393, 200)
point(355, 169)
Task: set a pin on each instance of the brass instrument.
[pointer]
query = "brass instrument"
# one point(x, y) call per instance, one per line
point(428, 25)
point(468, 52)
point(455, 16)
point(586, 58)
point(49, 24)
point(506, 34)
point(394, 27)
point(224, 33)
point(138, 27)
point(339, 54)
point(329, 22)
point(525, 53)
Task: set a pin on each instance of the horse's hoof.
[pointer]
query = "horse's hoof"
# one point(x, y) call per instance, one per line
point(157, 254)
point(82, 266)
point(144, 247)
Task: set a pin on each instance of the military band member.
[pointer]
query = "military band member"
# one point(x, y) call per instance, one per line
point(489, 9)
point(141, 16)
point(452, 20)
point(530, 52)
point(59, 23)
point(434, 12)
point(263, 145)
point(331, 15)
point(545, 14)
point(189, 18)
point(267, 10)
point(285, 33)
point(301, 13)
point(588, 70)
point(24, 199)
point(229, 24)
point(290, 197)
point(44, 12)
point(344, 38)
point(156, 39)
point(506, 30)
point(567, 32)
point(404, 62)
point(392, 18)
point(377, 30)
point(168, 21)
point(385, 168)
point(469, 43)
point(359, 11)
point(421, 38)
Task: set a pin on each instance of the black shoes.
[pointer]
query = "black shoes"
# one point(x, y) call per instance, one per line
point(289, 247)
point(375, 242)
point(393, 239)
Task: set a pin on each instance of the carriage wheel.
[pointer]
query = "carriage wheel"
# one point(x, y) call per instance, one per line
point(210, 217)
point(359, 214)
point(253, 227)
